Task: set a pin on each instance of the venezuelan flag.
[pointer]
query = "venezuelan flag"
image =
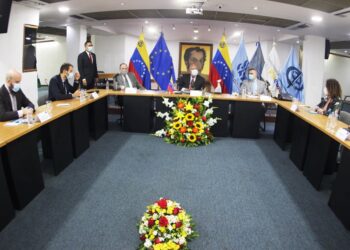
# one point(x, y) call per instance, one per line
point(139, 63)
point(221, 67)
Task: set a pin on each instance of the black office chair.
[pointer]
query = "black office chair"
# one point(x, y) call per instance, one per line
point(345, 106)
point(119, 101)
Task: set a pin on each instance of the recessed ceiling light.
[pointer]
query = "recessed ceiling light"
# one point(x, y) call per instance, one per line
point(196, 30)
point(237, 34)
point(174, 28)
point(191, 22)
point(146, 22)
point(122, 4)
point(63, 9)
point(152, 29)
point(195, 38)
point(298, 41)
point(209, 28)
point(255, 8)
point(316, 19)
point(345, 51)
point(104, 24)
point(278, 30)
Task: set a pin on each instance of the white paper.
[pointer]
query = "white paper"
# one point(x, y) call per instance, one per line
point(62, 105)
point(130, 90)
point(94, 95)
point(196, 93)
point(294, 107)
point(44, 116)
point(265, 98)
point(342, 134)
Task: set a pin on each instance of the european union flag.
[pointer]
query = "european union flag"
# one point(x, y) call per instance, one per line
point(291, 78)
point(239, 67)
point(162, 68)
point(258, 60)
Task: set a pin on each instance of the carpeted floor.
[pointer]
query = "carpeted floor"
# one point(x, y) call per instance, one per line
point(243, 194)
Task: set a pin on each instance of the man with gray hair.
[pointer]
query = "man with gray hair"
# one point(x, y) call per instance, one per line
point(13, 103)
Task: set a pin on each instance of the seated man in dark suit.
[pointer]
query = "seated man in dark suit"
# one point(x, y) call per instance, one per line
point(192, 81)
point(64, 85)
point(13, 103)
point(126, 79)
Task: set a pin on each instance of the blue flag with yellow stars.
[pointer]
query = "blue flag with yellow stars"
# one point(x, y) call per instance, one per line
point(162, 68)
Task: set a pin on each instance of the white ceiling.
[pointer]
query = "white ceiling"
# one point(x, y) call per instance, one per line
point(333, 27)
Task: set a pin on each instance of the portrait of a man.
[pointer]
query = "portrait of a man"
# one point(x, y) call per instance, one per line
point(199, 55)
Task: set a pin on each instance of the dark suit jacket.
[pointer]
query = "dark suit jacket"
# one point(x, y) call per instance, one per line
point(57, 91)
point(6, 112)
point(120, 81)
point(184, 82)
point(87, 69)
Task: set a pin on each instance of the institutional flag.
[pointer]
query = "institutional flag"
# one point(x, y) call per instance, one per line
point(239, 67)
point(162, 68)
point(220, 68)
point(271, 70)
point(291, 78)
point(139, 63)
point(257, 60)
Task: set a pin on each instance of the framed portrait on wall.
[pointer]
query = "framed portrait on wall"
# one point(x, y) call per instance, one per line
point(199, 54)
point(29, 48)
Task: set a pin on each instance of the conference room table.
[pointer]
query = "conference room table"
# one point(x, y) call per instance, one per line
point(66, 135)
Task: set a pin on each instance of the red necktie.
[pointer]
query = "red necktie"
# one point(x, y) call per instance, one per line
point(192, 82)
point(90, 57)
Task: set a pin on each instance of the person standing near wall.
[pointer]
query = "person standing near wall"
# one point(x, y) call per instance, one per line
point(87, 66)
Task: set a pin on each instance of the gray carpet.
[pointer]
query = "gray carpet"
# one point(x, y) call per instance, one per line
point(243, 194)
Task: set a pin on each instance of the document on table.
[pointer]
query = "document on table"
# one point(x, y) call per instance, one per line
point(16, 122)
point(63, 105)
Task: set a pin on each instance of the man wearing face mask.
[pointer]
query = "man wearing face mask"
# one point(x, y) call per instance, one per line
point(192, 81)
point(64, 85)
point(87, 66)
point(253, 85)
point(13, 103)
point(126, 79)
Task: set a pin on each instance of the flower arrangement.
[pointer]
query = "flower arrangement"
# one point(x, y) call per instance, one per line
point(189, 121)
point(166, 226)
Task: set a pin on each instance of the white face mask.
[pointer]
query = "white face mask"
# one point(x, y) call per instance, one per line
point(70, 78)
point(194, 72)
point(90, 48)
point(16, 87)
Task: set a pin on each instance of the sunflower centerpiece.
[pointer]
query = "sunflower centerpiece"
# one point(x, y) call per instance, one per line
point(188, 122)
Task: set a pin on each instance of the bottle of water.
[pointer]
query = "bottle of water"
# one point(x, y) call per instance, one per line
point(82, 95)
point(107, 85)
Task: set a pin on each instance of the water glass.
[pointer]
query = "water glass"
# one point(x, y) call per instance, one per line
point(30, 118)
point(244, 93)
point(48, 106)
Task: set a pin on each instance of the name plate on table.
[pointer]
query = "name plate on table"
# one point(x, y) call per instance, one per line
point(294, 107)
point(196, 93)
point(43, 116)
point(94, 95)
point(342, 134)
point(265, 98)
point(130, 90)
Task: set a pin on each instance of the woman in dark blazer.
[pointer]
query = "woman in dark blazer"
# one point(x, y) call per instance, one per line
point(332, 99)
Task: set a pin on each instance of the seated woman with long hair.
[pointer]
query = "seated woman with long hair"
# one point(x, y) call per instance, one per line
point(332, 92)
